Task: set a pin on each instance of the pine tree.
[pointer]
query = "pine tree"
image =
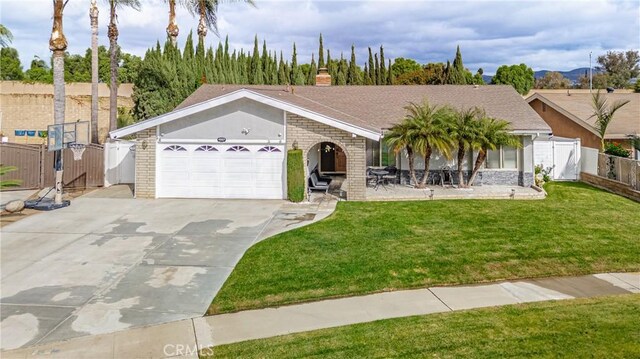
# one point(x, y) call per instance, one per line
point(311, 79)
point(255, 73)
point(321, 54)
point(200, 62)
point(372, 72)
point(383, 70)
point(352, 73)
point(273, 78)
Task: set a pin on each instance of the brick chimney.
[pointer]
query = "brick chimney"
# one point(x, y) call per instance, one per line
point(323, 78)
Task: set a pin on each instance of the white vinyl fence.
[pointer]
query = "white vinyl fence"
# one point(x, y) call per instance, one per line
point(561, 155)
point(119, 162)
point(589, 161)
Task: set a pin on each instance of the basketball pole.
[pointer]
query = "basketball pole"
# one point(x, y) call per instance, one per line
point(58, 166)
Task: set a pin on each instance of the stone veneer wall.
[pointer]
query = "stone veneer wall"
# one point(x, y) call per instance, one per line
point(486, 177)
point(309, 133)
point(145, 186)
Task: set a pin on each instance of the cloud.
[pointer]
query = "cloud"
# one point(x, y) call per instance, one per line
point(543, 34)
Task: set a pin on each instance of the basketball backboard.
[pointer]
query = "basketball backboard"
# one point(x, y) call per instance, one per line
point(59, 136)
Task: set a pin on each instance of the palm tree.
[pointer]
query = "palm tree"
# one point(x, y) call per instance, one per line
point(430, 131)
point(93, 16)
point(603, 112)
point(6, 37)
point(172, 28)
point(58, 44)
point(401, 138)
point(464, 132)
point(492, 133)
point(113, 50)
point(207, 11)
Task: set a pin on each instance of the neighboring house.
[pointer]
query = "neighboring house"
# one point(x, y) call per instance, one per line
point(570, 115)
point(230, 141)
point(27, 109)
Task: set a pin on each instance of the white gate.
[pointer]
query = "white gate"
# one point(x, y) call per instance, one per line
point(561, 155)
point(119, 162)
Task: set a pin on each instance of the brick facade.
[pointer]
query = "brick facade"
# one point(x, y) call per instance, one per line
point(145, 186)
point(308, 133)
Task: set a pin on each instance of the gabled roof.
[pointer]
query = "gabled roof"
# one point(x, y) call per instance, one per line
point(363, 110)
point(577, 107)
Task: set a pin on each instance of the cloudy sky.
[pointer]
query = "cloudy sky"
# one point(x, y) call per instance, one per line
point(554, 35)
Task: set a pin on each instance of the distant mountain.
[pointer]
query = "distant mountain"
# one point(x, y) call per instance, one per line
point(572, 75)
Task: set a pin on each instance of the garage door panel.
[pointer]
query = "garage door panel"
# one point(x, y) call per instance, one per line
point(220, 174)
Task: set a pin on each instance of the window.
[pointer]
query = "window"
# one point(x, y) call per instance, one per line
point(238, 149)
point(174, 148)
point(269, 149)
point(502, 158)
point(206, 148)
point(387, 156)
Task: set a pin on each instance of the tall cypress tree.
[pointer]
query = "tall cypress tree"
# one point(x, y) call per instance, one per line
point(200, 62)
point(367, 76)
point(311, 79)
point(255, 73)
point(294, 66)
point(187, 54)
point(321, 53)
point(390, 78)
point(266, 63)
point(341, 77)
point(457, 71)
point(274, 70)
point(352, 73)
point(283, 79)
point(377, 70)
point(372, 72)
point(383, 70)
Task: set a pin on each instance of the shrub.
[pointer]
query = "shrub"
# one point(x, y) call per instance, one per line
point(295, 176)
point(542, 175)
point(615, 149)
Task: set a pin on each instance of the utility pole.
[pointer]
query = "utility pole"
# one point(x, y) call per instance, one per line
point(590, 73)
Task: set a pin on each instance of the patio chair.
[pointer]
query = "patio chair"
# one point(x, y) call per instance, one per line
point(392, 177)
point(371, 179)
point(446, 176)
point(320, 177)
point(316, 185)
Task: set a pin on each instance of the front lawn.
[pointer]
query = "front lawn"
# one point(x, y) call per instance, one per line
point(605, 327)
point(367, 247)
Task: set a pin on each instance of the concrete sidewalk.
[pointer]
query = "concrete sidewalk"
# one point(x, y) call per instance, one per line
point(183, 338)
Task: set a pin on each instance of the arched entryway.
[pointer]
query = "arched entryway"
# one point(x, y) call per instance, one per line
point(327, 163)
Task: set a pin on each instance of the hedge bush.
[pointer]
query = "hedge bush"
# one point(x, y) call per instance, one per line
point(295, 176)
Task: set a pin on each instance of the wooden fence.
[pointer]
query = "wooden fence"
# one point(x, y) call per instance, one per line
point(35, 166)
point(620, 169)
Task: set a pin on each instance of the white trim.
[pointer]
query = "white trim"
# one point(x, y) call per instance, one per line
point(236, 95)
point(215, 142)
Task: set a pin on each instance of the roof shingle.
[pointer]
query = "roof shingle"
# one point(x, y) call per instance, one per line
point(380, 107)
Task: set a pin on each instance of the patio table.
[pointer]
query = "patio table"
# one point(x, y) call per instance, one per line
point(379, 178)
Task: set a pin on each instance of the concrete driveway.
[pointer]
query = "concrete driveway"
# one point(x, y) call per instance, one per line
point(106, 264)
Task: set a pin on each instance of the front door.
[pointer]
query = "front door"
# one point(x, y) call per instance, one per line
point(341, 160)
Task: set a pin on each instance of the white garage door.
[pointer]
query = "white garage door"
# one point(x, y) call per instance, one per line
point(220, 171)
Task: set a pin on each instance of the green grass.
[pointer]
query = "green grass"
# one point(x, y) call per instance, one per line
point(605, 327)
point(367, 247)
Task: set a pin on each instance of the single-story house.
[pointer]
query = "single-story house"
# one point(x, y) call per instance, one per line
point(230, 141)
point(570, 114)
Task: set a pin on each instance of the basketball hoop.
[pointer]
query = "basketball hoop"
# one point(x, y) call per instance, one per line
point(77, 149)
